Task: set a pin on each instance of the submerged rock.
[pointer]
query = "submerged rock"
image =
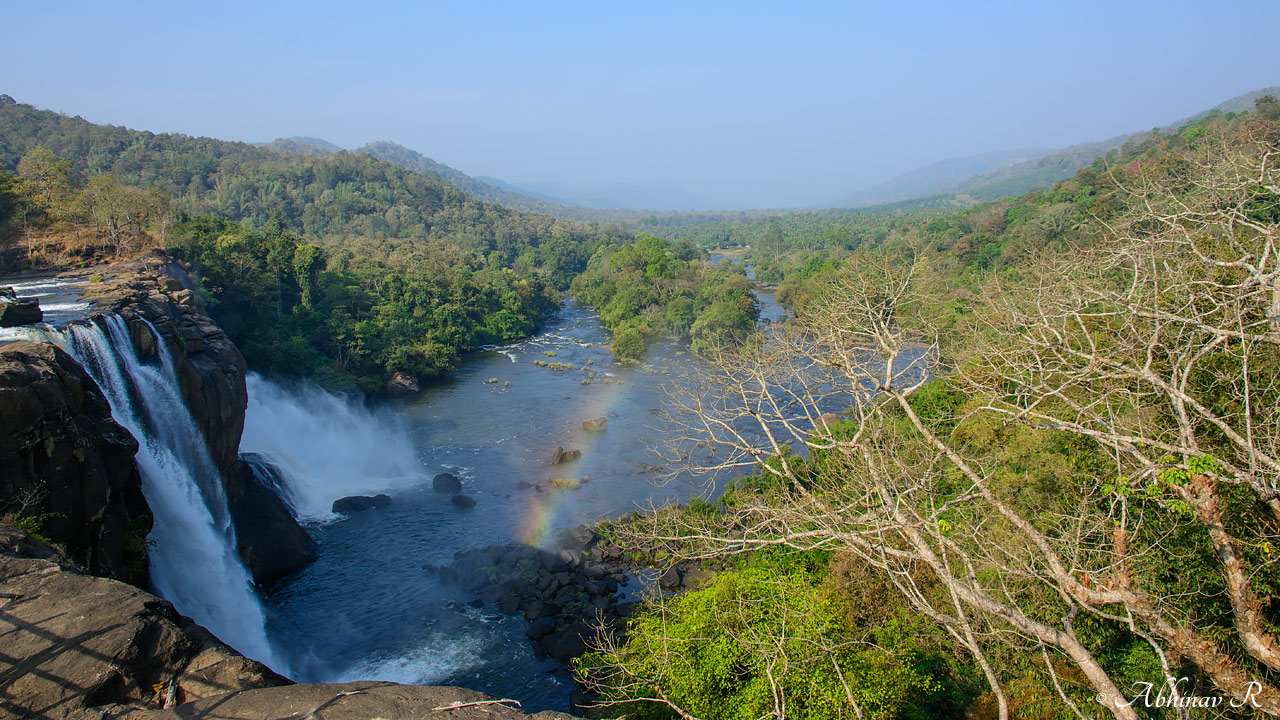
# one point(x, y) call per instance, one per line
point(463, 501)
point(446, 482)
point(357, 503)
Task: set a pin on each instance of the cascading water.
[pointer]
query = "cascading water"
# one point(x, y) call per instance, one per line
point(326, 446)
point(193, 558)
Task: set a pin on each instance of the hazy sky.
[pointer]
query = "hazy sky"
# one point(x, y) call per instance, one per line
point(746, 104)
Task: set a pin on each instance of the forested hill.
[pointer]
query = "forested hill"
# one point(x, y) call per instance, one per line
point(331, 197)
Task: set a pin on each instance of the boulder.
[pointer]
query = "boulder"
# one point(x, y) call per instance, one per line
point(541, 628)
point(8, 292)
point(576, 537)
point(829, 419)
point(402, 383)
point(20, 312)
point(562, 456)
point(670, 580)
point(445, 482)
point(539, 609)
point(269, 539)
point(568, 643)
point(463, 501)
point(73, 642)
point(358, 503)
point(595, 424)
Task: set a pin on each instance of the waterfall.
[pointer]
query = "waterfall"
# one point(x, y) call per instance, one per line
point(194, 563)
point(326, 446)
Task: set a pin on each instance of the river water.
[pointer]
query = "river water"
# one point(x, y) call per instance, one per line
point(368, 608)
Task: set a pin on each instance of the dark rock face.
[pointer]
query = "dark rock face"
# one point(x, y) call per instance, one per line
point(358, 503)
point(66, 459)
point(271, 542)
point(20, 312)
point(445, 482)
point(79, 647)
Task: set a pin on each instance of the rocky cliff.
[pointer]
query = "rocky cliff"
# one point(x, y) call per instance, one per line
point(67, 466)
point(87, 648)
point(72, 472)
point(154, 291)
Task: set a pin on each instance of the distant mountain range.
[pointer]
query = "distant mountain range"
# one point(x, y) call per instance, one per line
point(985, 177)
point(613, 196)
point(953, 182)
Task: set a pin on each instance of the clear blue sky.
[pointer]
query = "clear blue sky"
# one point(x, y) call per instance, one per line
point(746, 104)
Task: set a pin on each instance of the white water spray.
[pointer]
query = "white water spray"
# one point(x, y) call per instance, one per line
point(326, 446)
point(194, 563)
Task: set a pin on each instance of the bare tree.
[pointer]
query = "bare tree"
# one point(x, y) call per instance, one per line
point(1156, 352)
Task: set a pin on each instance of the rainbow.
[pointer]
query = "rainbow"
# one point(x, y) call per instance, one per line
point(554, 507)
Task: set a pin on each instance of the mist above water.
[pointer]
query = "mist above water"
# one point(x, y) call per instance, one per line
point(326, 445)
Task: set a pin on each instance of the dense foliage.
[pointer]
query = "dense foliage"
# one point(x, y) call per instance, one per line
point(331, 198)
point(652, 287)
point(297, 309)
point(717, 659)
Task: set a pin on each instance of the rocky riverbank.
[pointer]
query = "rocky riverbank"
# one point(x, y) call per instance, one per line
point(574, 593)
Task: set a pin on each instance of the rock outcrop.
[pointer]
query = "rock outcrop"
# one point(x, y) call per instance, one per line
point(20, 312)
point(154, 291)
point(270, 541)
point(360, 503)
point(67, 465)
point(80, 647)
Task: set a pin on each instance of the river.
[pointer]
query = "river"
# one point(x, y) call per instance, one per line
point(367, 608)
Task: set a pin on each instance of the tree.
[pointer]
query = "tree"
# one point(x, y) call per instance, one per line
point(1096, 483)
point(48, 176)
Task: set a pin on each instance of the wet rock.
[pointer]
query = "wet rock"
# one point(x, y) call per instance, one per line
point(541, 628)
point(8, 292)
point(562, 456)
point(538, 609)
point(463, 501)
point(446, 482)
point(577, 537)
point(595, 424)
point(269, 539)
point(508, 604)
point(20, 312)
point(568, 643)
point(359, 503)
